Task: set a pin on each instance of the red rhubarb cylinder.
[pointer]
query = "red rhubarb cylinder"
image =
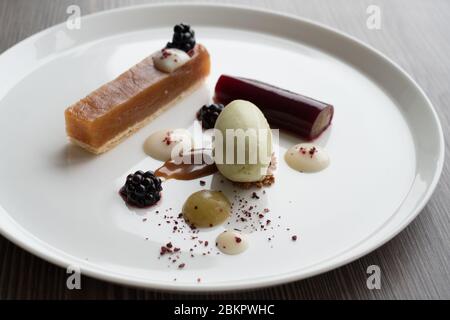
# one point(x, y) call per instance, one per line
point(283, 109)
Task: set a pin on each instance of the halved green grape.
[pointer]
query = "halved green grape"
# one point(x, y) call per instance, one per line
point(206, 208)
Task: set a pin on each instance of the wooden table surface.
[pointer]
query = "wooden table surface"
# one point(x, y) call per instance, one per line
point(414, 265)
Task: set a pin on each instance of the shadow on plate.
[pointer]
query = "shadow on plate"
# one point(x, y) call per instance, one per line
point(71, 155)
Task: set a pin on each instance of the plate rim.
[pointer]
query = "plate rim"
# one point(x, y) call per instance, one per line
point(62, 259)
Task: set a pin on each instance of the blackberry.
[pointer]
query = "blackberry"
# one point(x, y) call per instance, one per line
point(208, 115)
point(183, 38)
point(141, 189)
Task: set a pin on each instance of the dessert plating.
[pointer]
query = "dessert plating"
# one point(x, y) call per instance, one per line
point(119, 108)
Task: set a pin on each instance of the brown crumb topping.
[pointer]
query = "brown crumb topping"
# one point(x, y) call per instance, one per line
point(267, 181)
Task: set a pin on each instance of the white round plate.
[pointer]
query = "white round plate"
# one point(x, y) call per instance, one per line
point(61, 203)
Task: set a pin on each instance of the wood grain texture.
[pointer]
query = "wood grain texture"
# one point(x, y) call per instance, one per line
point(415, 264)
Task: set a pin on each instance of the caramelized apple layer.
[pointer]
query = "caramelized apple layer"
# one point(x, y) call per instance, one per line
point(117, 109)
